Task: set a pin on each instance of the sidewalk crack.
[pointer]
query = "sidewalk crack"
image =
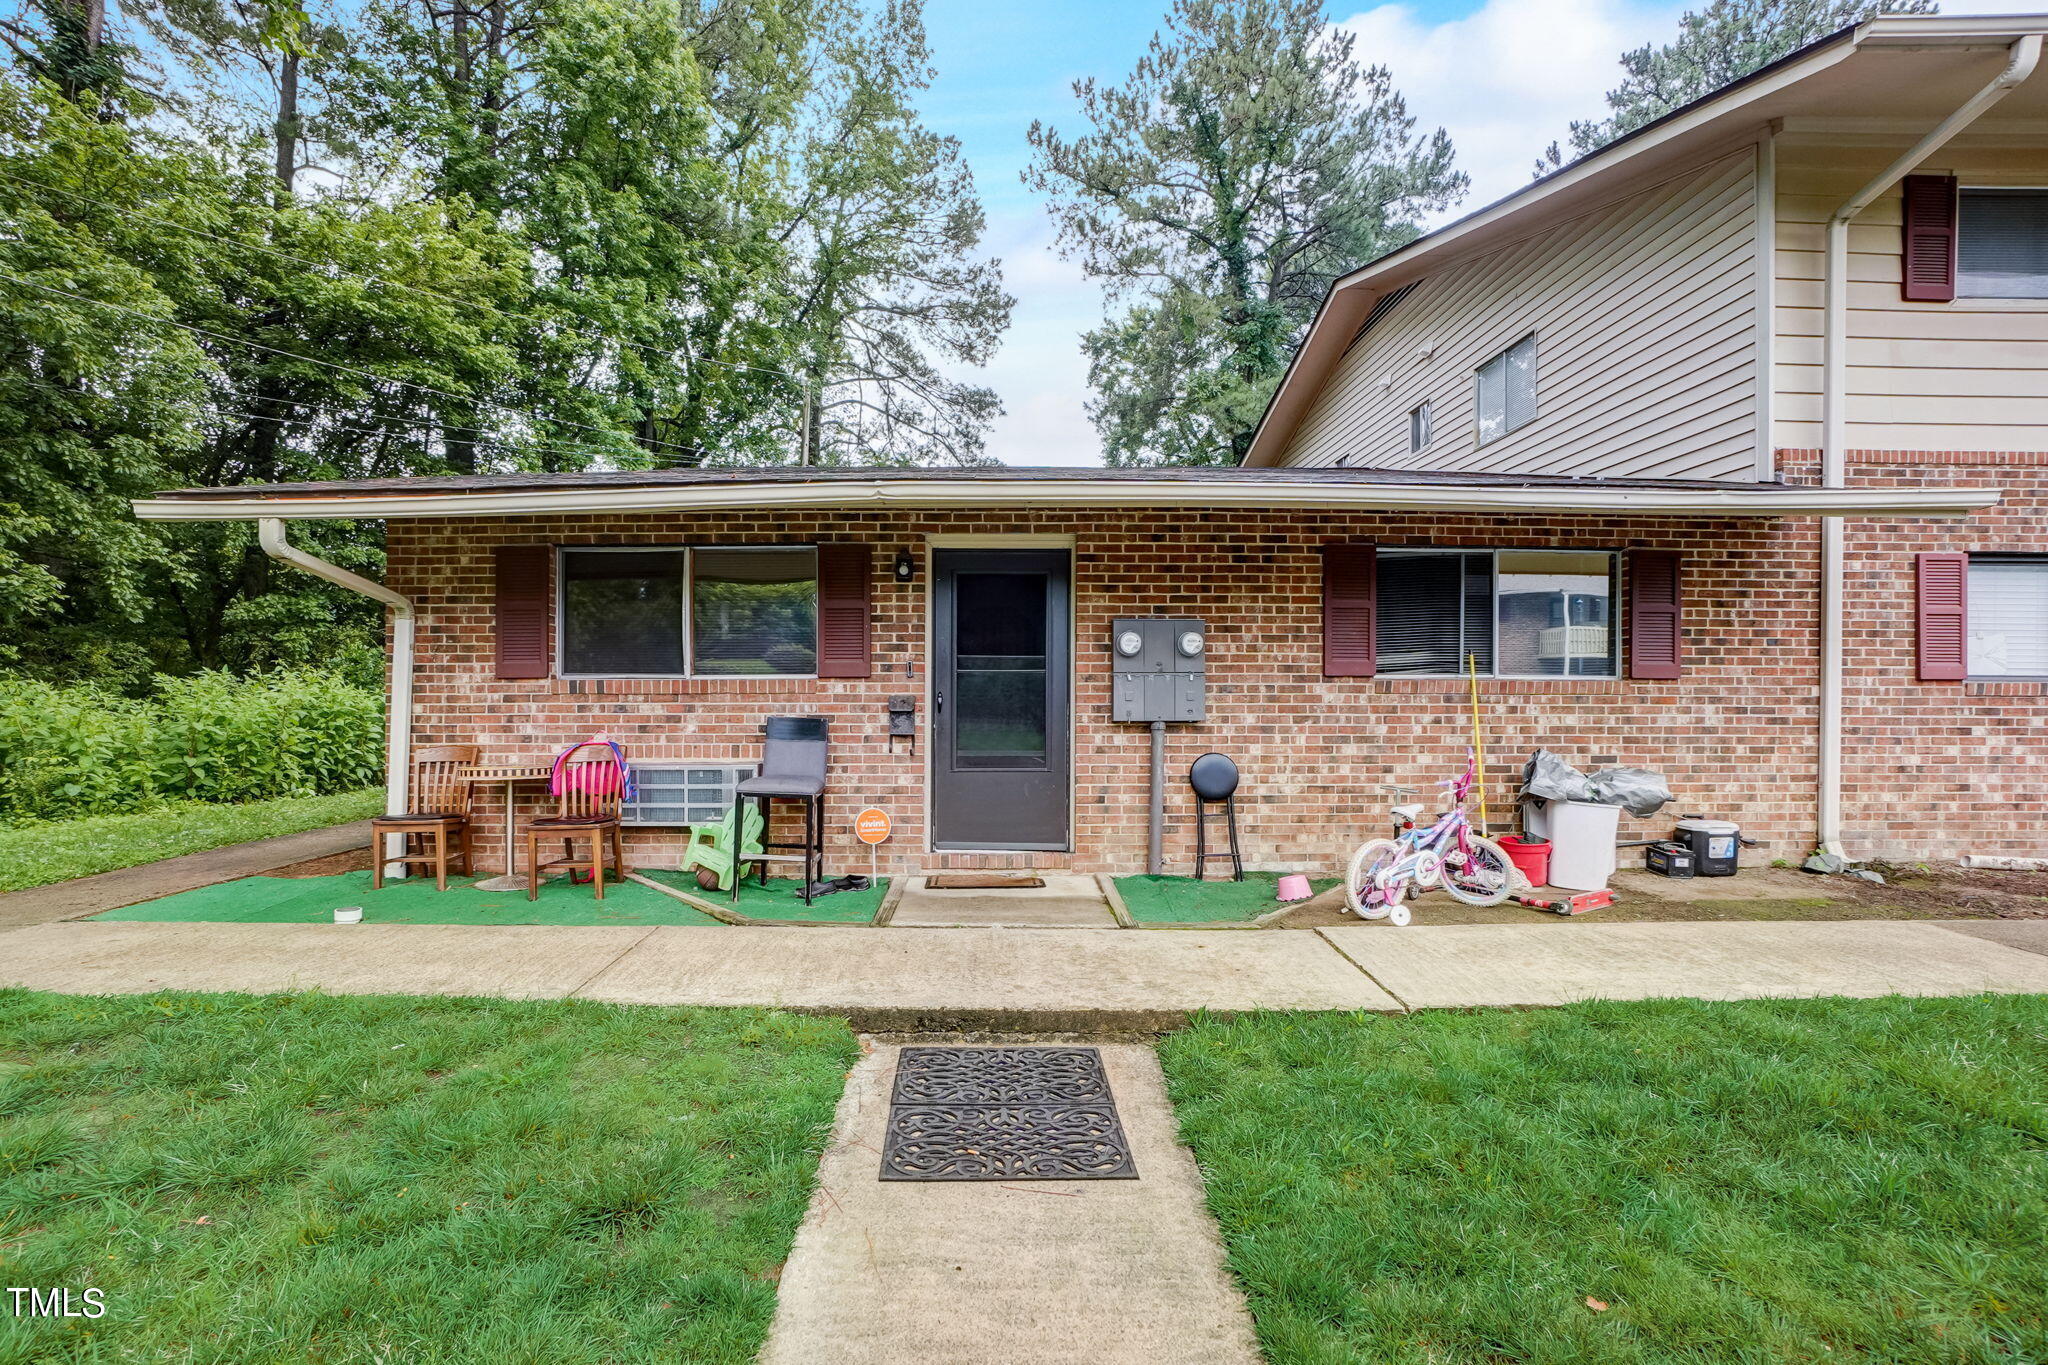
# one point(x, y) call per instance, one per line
point(577, 989)
point(1392, 995)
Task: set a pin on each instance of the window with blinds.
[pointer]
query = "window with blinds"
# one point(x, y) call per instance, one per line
point(1515, 613)
point(2008, 616)
point(2002, 243)
point(1507, 390)
point(627, 613)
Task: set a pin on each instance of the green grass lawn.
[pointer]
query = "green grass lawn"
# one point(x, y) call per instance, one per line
point(365, 1179)
point(1183, 900)
point(36, 855)
point(1826, 1180)
point(413, 900)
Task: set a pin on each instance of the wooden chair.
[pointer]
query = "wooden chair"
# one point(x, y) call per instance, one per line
point(592, 788)
point(436, 830)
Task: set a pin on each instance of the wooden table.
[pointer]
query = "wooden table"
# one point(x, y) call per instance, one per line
point(510, 776)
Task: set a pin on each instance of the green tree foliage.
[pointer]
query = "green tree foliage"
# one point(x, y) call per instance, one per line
point(1246, 162)
point(260, 240)
point(1715, 46)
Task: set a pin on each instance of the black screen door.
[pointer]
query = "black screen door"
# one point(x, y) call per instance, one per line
point(1000, 699)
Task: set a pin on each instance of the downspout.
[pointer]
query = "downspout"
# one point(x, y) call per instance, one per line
point(398, 733)
point(2026, 53)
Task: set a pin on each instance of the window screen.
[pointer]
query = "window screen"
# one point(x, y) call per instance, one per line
point(1554, 613)
point(622, 612)
point(2008, 605)
point(754, 612)
point(2002, 244)
point(683, 795)
point(1507, 390)
point(1434, 609)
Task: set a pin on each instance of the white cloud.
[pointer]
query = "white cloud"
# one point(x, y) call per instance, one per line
point(1509, 77)
point(1039, 372)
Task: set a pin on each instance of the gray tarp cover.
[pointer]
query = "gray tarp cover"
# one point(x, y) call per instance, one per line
point(1550, 777)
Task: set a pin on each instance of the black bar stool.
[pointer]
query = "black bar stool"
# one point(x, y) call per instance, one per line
point(793, 762)
point(1214, 778)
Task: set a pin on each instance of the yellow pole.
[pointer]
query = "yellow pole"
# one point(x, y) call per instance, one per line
point(1478, 741)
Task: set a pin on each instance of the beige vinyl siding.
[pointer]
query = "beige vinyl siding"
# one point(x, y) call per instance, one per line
point(1645, 316)
point(1967, 375)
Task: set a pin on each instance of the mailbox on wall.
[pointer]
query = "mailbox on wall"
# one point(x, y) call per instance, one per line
point(1160, 667)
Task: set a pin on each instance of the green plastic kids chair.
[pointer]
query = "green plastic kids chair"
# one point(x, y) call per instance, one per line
point(711, 846)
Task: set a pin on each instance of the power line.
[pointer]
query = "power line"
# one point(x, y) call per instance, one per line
point(344, 369)
point(368, 278)
point(334, 424)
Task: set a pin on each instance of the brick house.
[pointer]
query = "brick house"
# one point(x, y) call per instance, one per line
point(1719, 452)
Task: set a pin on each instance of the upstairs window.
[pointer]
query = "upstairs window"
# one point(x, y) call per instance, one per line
point(1515, 613)
point(2002, 244)
point(675, 613)
point(1507, 390)
point(1420, 426)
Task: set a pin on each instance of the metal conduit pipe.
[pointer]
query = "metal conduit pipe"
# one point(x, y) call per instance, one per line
point(270, 534)
point(2025, 55)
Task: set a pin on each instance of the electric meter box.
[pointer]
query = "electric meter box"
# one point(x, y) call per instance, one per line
point(1160, 664)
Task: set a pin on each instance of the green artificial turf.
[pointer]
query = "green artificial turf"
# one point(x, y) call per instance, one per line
point(779, 899)
point(37, 855)
point(413, 900)
point(1816, 1180)
point(1183, 900)
point(353, 1180)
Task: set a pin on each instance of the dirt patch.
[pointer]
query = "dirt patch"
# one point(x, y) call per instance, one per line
point(1764, 894)
point(353, 860)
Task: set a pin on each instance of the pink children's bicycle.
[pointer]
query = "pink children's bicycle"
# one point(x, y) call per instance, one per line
point(1450, 853)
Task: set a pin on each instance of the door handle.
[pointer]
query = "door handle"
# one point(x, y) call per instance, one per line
point(938, 703)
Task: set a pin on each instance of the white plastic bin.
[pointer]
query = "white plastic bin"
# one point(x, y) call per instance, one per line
point(1581, 835)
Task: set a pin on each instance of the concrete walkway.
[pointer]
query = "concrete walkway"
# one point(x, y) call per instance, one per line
point(147, 882)
point(1068, 900)
point(1031, 1272)
point(1050, 980)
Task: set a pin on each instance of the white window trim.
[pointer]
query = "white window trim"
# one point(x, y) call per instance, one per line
point(689, 554)
point(1494, 553)
point(1427, 411)
point(1536, 395)
point(1994, 303)
point(1996, 557)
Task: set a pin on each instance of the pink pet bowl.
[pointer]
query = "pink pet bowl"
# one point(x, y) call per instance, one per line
point(1294, 887)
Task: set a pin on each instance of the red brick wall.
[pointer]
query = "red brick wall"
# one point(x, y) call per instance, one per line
point(1735, 735)
point(1938, 769)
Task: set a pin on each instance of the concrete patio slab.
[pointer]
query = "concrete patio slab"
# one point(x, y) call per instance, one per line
point(921, 980)
point(125, 958)
point(168, 876)
point(2027, 935)
point(1451, 966)
point(1039, 1272)
point(1066, 901)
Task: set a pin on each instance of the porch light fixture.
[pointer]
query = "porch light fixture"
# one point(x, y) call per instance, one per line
point(906, 566)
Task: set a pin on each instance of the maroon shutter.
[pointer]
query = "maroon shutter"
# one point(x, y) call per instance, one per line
point(1930, 237)
point(1655, 644)
point(843, 577)
point(1350, 587)
point(1943, 580)
point(520, 610)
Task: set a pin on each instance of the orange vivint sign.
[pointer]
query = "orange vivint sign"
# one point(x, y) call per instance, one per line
point(871, 826)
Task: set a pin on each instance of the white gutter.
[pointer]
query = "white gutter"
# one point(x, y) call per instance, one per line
point(2026, 54)
point(270, 534)
point(1258, 493)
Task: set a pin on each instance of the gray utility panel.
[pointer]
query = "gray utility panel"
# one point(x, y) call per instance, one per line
point(1160, 664)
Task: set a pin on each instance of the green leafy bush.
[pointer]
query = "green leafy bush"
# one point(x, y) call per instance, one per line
point(73, 751)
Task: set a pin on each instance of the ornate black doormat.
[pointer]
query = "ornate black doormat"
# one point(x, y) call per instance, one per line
point(1004, 1113)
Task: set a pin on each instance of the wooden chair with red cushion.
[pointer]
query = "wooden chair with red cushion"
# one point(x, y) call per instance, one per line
point(590, 787)
point(436, 830)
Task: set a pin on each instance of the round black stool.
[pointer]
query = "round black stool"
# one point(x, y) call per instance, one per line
point(1214, 778)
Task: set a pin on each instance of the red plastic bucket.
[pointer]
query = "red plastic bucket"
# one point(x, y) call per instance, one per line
point(1532, 856)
